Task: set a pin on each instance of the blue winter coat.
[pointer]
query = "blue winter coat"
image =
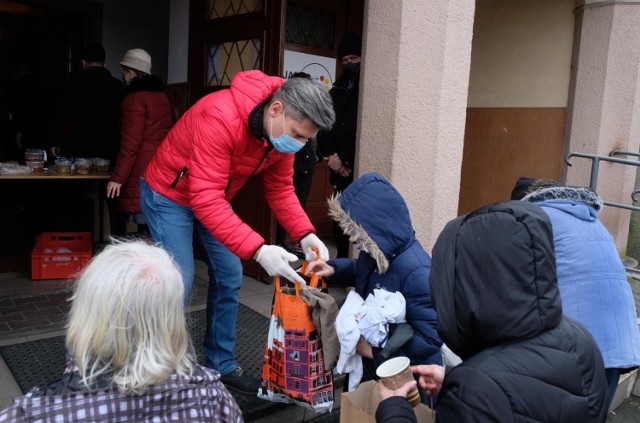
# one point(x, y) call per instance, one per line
point(591, 277)
point(373, 214)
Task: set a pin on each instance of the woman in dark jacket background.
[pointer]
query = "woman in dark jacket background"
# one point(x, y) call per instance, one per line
point(494, 286)
point(145, 119)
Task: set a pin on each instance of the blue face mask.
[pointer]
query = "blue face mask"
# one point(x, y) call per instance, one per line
point(285, 143)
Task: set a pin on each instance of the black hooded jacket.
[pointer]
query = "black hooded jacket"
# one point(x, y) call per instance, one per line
point(493, 283)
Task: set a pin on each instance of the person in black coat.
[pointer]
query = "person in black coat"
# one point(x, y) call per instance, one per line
point(85, 124)
point(494, 286)
point(86, 120)
point(338, 147)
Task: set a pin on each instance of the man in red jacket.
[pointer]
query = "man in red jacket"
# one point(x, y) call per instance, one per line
point(252, 128)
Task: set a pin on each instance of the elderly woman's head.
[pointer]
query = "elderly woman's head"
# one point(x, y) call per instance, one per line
point(127, 323)
point(296, 112)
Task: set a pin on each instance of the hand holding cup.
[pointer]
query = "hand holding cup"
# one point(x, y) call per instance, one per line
point(395, 373)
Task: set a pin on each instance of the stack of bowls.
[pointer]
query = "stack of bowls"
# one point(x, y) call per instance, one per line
point(83, 166)
point(34, 158)
point(63, 165)
point(102, 165)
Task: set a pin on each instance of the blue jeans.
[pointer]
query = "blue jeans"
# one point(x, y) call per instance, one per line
point(172, 225)
point(613, 376)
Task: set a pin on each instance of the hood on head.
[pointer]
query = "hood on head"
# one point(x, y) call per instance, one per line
point(372, 213)
point(493, 277)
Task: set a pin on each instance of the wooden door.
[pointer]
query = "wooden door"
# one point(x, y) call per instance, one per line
point(229, 36)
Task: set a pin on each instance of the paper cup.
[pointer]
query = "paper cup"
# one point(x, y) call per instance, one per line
point(394, 373)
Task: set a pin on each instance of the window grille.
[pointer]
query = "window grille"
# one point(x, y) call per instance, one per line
point(224, 8)
point(224, 60)
point(309, 26)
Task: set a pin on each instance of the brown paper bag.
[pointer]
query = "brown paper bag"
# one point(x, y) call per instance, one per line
point(360, 406)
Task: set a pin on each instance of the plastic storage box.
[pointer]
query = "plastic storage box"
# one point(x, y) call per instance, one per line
point(60, 255)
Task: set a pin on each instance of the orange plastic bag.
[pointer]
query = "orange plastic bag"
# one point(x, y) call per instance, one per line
point(293, 369)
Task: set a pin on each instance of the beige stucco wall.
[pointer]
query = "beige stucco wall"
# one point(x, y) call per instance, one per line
point(521, 53)
point(605, 111)
point(413, 103)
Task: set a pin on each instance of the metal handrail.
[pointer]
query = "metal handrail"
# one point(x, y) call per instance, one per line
point(623, 153)
point(614, 153)
point(595, 163)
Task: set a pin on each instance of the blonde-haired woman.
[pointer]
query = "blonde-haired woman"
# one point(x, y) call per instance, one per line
point(130, 354)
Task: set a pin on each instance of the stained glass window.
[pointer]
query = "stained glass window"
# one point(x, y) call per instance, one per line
point(309, 26)
point(223, 8)
point(224, 60)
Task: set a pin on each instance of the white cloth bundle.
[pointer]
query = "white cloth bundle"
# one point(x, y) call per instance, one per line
point(370, 319)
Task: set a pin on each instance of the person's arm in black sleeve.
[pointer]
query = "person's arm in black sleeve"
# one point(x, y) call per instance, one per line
point(325, 146)
point(395, 410)
point(347, 152)
point(470, 396)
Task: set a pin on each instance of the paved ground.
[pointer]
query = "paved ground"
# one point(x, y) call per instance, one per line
point(628, 412)
point(31, 310)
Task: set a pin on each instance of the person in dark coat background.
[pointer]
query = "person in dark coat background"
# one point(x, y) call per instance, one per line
point(145, 119)
point(374, 215)
point(338, 147)
point(494, 286)
point(85, 123)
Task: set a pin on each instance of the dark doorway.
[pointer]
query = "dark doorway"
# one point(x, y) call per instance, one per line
point(38, 40)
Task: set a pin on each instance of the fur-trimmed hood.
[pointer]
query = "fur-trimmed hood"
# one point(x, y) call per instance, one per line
point(373, 214)
point(573, 194)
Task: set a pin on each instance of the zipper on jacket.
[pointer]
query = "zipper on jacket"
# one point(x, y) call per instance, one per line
point(180, 176)
point(253, 172)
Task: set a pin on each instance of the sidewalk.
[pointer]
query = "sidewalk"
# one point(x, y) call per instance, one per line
point(32, 310)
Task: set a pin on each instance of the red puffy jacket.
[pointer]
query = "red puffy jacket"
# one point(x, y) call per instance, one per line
point(214, 143)
point(145, 119)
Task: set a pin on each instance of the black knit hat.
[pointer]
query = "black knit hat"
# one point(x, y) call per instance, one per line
point(525, 185)
point(93, 52)
point(351, 44)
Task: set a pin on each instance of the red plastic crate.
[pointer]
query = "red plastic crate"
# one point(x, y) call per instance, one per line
point(60, 255)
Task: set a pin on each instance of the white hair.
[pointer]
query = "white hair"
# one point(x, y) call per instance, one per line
point(127, 323)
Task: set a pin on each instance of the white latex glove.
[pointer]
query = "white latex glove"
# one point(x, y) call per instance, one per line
point(312, 241)
point(275, 260)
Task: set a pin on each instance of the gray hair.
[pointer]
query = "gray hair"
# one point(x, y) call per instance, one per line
point(304, 98)
point(126, 323)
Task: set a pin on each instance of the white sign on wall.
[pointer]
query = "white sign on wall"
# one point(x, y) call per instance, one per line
point(321, 68)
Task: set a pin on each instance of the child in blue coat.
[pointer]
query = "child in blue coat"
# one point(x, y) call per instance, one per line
point(376, 218)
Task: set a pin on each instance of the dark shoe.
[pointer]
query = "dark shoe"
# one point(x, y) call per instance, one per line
point(239, 381)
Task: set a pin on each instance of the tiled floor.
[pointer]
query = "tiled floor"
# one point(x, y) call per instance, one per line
point(31, 310)
point(24, 313)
